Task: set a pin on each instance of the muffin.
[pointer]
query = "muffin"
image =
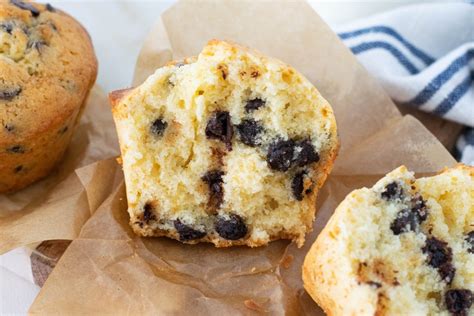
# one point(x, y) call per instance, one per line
point(46, 71)
point(403, 247)
point(230, 148)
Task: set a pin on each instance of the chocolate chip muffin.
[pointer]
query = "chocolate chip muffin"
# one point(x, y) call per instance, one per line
point(230, 147)
point(403, 247)
point(47, 68)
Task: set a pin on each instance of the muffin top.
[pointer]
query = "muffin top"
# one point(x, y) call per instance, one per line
point(47, 66)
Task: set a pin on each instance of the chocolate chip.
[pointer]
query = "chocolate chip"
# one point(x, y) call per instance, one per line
point(9, 93)
point(179, 64)
point(187, 232)
point(297, 185)
point(458, 301)
point(470, 242)
point(17, 149)
point(280, 154)
point(440, 256)
point(438, 252)
point(18, 168)
point(219, 127)
point(254, 104)
point(447, 272)
point(283, 154)
point(214, 180)
point(231, 228)
point(392, 191)
point(418, 205)
point(158, 127)
point(410, 219)
point(9, 127)
point(7, 26)
point(148, 212)
point(305, 153)
point(26, 6)
point(405, 221)
point(50, 8)
point(249, 131)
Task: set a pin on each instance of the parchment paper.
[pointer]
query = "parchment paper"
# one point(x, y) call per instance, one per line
point(108, 270)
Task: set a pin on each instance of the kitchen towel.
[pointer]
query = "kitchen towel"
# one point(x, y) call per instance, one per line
point(423, 55)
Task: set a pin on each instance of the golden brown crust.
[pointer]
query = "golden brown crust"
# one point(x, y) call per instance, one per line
point(326, 169)
point(460, 166)
point(185, 61)
point(314, 273)
point(49, 62)
point(117, 95)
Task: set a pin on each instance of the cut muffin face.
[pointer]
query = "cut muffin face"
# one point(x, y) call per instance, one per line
point(403, 247)
point(230, 147)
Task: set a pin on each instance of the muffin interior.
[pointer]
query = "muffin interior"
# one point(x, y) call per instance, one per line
point(227, 145)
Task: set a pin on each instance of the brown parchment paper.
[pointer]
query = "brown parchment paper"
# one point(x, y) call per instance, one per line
point(58, 206)
point(108, 270)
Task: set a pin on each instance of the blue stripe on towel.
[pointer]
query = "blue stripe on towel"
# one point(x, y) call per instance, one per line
point(458, 92)
point(394, 51)
point(431, 88)
point(469, 136)
point(428, 60)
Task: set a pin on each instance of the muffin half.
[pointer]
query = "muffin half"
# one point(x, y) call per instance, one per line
point(230, 147)
point(403, 247)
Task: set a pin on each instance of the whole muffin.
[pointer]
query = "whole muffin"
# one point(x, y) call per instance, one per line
point(47, 68)
point(403, 247)
point(230, 147)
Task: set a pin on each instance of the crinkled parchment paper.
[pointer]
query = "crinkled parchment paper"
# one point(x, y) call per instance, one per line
point(108, 270)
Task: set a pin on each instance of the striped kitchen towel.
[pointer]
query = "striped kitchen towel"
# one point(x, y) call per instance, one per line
point(423, 55)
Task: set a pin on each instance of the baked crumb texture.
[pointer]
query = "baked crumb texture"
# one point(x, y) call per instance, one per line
point(229, 147)
point(403, 247)
point(47, 67)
